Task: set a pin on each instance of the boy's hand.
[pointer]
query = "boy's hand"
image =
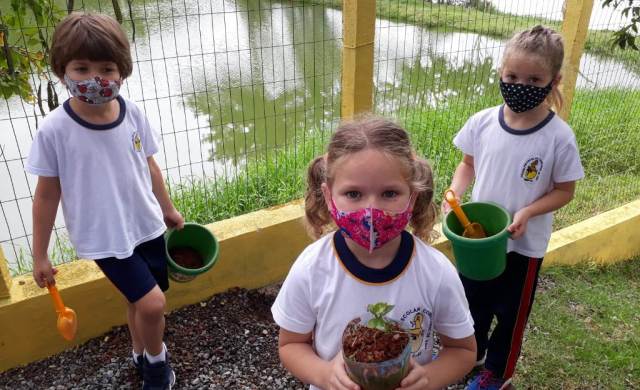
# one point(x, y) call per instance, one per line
point(173, 219)
point(519, 225)
point(338, 379)
point(43, 273)
point(417, 377)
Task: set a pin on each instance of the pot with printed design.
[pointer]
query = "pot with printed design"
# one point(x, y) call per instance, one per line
point(376, 349)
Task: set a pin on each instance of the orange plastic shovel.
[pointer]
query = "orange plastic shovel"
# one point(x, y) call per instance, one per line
point(67, 320)
point(471, 229)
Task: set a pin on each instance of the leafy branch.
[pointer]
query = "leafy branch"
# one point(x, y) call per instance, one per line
point(25, 50)
point(626, 36)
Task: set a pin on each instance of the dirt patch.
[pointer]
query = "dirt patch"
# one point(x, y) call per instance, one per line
point(368, 345)
point(186, 257)
point(226, 342)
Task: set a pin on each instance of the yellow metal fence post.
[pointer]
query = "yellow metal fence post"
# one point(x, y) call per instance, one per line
point(5, 277)
point(358, 27)
point(575, 26)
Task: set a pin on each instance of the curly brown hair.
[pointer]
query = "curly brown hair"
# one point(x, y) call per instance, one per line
point(370, 132)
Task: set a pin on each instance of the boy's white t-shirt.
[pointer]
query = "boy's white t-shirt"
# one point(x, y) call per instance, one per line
point(327, 287)
point(107, 198)
point(514, 168)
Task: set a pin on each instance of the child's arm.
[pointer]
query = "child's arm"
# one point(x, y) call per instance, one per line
point(45, 208)
point(454, 361)
point(172, 218)
point(462, 178)
point(561, 194)
point(297, 356)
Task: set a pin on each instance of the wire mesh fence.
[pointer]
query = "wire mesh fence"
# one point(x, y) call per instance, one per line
point(245, 92)
point(436, 65)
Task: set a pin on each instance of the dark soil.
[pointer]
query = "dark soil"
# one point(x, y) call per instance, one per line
point(186, 257)
point(226, 342)
point(368, 345)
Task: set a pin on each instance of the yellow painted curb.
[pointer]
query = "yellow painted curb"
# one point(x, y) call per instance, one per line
point(256, 249)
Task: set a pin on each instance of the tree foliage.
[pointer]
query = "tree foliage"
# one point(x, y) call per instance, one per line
point(626, 36)
point(24, 53)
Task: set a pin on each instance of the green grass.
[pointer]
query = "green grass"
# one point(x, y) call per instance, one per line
point(608, 138)
point(584, 329)
point(607, 133)
point(273, 180)
point(490, 22)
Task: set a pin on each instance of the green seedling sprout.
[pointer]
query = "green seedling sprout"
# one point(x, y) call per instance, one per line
point(378, 311)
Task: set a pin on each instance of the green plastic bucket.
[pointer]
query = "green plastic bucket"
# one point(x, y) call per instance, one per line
point(198, 238)
point(481, 258)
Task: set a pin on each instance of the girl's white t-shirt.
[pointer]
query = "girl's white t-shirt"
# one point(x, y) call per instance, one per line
point(326, 288)
point(514, 168)
point(107, 198)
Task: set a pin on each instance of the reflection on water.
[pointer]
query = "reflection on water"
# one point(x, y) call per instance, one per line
point(227, 81)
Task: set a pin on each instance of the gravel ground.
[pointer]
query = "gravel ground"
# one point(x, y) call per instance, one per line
point(226, 342)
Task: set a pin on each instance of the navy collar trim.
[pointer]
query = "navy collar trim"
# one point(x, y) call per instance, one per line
point(93, 126)
point(537, 127)
point(372, 275)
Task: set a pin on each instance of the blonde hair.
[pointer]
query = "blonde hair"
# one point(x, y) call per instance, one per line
point(548, 45)
point(94, 37)
point(371, 133)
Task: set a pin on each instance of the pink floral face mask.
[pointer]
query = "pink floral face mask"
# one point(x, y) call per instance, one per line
point(370, 227)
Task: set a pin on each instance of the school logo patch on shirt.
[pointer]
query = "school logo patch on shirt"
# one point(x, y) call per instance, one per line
point(419, 322)
point(137, 142)
point(532, 169)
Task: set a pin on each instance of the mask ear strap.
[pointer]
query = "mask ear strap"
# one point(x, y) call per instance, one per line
point(411, 197)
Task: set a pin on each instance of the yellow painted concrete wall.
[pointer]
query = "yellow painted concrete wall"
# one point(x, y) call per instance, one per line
point(256, 249)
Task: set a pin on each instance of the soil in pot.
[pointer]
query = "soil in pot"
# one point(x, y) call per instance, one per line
point(186, 257)
point(376, 359)
point(368, 345)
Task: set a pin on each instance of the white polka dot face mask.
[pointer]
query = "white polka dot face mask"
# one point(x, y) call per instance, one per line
point(521, 97)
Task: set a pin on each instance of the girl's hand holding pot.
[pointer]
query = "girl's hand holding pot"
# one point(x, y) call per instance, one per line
point(338, 378)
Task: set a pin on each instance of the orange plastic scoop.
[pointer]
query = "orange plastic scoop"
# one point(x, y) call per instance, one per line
point(471, 229)
point(67, 320)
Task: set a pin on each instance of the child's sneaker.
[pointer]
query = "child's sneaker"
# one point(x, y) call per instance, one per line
point(487, 380)
point(157, 376)
point(138, 364)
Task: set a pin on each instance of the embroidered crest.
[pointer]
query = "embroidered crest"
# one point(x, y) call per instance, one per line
point(532, 169)
point(137, 143)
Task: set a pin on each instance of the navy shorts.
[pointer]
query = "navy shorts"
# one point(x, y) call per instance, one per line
point(138, 274)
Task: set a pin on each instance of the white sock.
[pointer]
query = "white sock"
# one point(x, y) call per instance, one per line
point(135, 356)
point(161, 357)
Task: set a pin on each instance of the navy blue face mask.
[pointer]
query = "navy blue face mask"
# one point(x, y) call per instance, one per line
point(521, 97)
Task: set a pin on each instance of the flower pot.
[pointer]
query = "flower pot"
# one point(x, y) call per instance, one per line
point(381, 375)
point(191, 251)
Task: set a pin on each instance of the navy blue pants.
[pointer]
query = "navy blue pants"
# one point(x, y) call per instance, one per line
point(508, 298)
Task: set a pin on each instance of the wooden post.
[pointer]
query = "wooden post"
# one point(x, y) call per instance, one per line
point(358, 26)
point(575, 26)
point(5, 277)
